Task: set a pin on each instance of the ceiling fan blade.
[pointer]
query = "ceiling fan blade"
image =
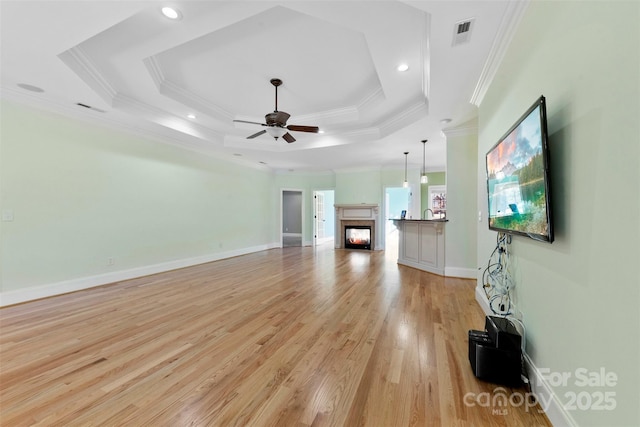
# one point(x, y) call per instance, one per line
point(287, 137)
point(253, 123)
point(297, 128)
point(256, 134)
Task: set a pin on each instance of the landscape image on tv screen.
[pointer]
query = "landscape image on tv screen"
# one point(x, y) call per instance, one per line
point(516, 180)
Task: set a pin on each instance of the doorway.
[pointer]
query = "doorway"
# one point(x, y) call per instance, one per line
point(291, 218)
point(396, 200)
point(323, 217)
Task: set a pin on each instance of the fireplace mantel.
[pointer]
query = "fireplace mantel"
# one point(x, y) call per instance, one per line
point(357, 214)
point(356, 205)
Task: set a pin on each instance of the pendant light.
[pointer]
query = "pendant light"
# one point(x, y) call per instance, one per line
point(405, 184)
point(423, 175)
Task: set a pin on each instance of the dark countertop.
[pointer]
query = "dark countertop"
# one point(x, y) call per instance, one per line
point(421, 220)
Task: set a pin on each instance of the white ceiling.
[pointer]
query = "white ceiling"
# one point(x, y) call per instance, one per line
point(145, 73)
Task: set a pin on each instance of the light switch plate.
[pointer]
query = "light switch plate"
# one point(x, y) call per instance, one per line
point(7, 215)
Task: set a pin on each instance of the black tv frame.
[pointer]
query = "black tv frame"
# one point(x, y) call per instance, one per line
point(542, 117)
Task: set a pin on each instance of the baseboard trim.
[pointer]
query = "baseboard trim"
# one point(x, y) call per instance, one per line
point(423, 267)
point(554, 410)
point(464, 273)
point(483, 302)
point(43, 291)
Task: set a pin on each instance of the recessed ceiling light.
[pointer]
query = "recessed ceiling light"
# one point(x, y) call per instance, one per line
point(171, 13)
point(320, 131)
point(445, 121)
point(403, 67)
point(191, 116)
point(237, 154)
point(32, 88)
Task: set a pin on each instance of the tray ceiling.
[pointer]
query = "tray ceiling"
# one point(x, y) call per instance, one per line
point(140, 71)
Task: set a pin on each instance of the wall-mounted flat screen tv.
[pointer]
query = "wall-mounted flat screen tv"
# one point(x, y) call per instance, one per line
point(518, 178)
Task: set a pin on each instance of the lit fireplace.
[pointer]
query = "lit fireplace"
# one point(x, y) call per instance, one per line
point(357, 237)
point(358, 216)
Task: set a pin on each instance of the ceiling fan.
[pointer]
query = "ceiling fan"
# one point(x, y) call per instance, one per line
point(276, 122)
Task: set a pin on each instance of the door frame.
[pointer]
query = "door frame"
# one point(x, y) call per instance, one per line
point(383, 225)
point(280, 225)
point(315, 213)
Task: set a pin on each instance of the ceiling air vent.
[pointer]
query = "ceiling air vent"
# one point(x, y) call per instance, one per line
point(80, 104)
point(462, 31)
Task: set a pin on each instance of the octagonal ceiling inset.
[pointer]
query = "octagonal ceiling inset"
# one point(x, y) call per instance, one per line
point(207, 72)
point(338, 69)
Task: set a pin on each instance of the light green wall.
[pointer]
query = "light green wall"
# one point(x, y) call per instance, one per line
point(82, 194)
point(307, 183)
point(580, 295)
point(351, 187)
point(367, 186)
point(359, 187)
point(460, 236)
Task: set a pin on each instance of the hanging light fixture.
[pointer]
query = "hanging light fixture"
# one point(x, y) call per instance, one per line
point(423, 175)
point(405, 184)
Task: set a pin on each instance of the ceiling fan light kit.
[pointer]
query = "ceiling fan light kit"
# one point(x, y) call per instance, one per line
point(276, 122)
point(276, 132)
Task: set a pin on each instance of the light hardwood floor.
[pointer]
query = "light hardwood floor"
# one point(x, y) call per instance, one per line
point(285, 337)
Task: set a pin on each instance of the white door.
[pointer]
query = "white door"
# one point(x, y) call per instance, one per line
point(319, 217)
point(323, 216)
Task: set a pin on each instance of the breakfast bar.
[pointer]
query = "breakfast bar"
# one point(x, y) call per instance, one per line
point(421, 244)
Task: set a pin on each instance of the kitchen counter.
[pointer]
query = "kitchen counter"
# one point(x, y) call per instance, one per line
point(423, 220)
point(421, 244)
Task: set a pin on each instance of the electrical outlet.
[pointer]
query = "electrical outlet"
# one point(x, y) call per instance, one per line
point(111, 261)
point(479, 216)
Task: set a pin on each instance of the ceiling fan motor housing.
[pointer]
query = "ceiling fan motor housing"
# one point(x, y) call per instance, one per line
point(277, 118)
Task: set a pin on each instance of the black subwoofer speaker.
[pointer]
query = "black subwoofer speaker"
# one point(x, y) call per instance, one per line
point(495, 353)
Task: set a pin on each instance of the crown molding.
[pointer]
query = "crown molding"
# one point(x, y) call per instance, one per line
point(176, 92)
point(346, 114)
point(508, 26)
point(81, 64)
point(157, 76)
point(358, 169)
point(405, 117)
point(375, 97)
point(338, 115)
point(303, 173)
point(425, 53)
point(185, 97)
point(468, 128)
